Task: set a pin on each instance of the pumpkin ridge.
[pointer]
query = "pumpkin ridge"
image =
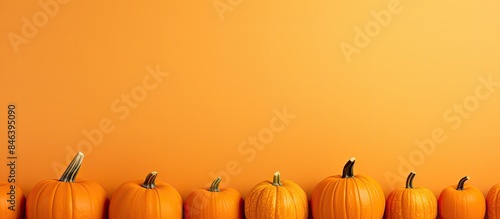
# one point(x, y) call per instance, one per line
point(370, 195)
point(276, 196)
point(259, 195)
point(420, 196)
point(264, 193)
point(224, 206)
point(215, 204)
point(137, 193)
point(54, 199)
point(492, 201)
point(434, 204)
point(123, 195)
point(37, 198)
point(345, 185)
point(338, 184)
point(361, 212)
point(423, 208)
point(88, 192)
point(377, 191)
point(323, 197)
point(401, 201)
point(158, 209)
point(289, 187)
point(72, 206)
point(466, 208)
point(411, 207)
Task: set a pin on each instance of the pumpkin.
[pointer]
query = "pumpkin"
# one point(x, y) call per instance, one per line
point(12, 201)
point(348, 196)
point(277, 199)
point(148, 199)
point(68, 197)
point(461, 201)
point(411, 202)
point(212, 202)
point(493, 202)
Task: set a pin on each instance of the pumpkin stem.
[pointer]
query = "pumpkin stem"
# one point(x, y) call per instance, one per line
point(277, 179)
point(215, 185)
point(71, 171)
point(409, 180)
point(461, 183)
point(348, 171)
point(149, 182)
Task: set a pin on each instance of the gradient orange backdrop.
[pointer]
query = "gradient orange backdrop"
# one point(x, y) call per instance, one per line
point(232, 70)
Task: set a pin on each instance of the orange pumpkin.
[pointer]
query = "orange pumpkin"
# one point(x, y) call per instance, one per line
point(277, 199)
point(348, 196)
point(12, 201)
point(68, 197)
point(212, 202)
point(411, 202)
point(461, 201)
point(493, 202)
point(148, 199)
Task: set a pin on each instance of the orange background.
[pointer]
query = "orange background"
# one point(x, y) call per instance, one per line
point(228, 77)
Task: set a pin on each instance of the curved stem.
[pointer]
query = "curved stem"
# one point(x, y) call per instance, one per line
point(277, 179)
point(149, 182)
point(409, 180)
point(71, 171)
point(348, 171)
point(215, 185)
point(461, 183)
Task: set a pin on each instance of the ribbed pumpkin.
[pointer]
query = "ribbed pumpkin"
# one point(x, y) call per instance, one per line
point(276, 200)
point(493, 202)
point(212, 202)
point(68, 197)
point(12, 201)
point(348, 196)
point(411, 202)
point(461, 201)
point(148, 199)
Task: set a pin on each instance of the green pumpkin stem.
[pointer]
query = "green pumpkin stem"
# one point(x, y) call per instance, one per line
point(149, 182)
point(277, 179)
point(215, 185)
point(461, 183)
point(409, 180)
point(71, 171)
point(348, 171)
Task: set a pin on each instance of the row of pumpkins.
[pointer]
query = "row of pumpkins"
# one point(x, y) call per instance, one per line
point(341, 196)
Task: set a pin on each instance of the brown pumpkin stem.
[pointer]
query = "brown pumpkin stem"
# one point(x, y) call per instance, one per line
point(215, 185)
point(149, 182)
point(277, 179)
point(348, 171)
point(461, 183)
point(71, 171)
point(409, 180)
